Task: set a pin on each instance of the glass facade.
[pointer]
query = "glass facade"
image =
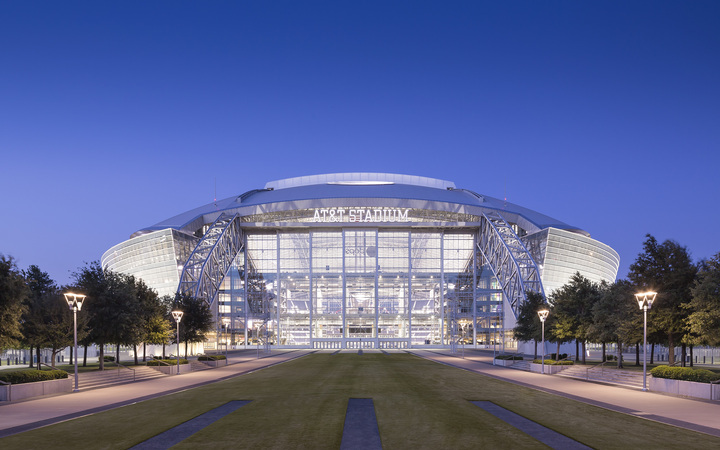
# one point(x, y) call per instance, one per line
point(359, 288)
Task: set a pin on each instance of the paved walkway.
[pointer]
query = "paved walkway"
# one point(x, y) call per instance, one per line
point(697, 415)
point(16, 417)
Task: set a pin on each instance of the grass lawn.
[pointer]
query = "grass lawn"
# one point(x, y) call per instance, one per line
point(301, 404)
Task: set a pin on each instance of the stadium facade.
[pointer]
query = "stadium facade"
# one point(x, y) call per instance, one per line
point(366, 260)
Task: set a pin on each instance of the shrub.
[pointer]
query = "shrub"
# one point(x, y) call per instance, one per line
point(685, 374)
point(554, 355)
point(552, 362)
point(108, 358)
point(159, 362)
point(31, 376)
point(610, 358)
point(509, 357)
point(211, 358)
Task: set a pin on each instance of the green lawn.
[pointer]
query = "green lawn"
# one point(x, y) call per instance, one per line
point(301, 404)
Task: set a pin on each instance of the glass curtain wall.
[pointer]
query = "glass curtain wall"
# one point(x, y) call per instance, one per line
point(353, 288)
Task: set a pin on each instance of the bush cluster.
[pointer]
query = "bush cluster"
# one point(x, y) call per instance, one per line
point(31, 376)
point(211, 358)
point(554, 356)
point(685, 374)
point(509, 357)
point(159, 362)
point(552, 362)
point(108, 358)
point(610, 358)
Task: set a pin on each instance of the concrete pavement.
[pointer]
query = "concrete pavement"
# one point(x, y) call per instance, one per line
point(696, 415)
point(16, 417)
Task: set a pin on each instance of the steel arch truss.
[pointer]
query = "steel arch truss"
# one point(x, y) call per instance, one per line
point(205, 270)
point(512, 264)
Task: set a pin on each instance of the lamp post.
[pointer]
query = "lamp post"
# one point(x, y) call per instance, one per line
point(543, 313)
point(177, 315)
point(226, 321)
point(75, 302)
point(645, 301)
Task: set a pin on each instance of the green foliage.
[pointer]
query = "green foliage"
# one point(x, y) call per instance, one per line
point(528, 326)
point(31, 376)
point(668, 270)
point(108, 358)
point(196, 320)
point(703, 323)
point(552, 362)
point(685, 374)
point(13, 294)
point(562, 356)
point(215, 358)
point(572, 309)
point(159, 362)
point(509, 357)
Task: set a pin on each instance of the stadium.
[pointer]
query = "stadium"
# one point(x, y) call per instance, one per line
point(361, 260)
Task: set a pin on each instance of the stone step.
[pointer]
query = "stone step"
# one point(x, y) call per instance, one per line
point(109, 377)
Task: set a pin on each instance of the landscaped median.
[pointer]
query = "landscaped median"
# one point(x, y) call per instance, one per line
point(33, 383)
point(551, 365)
point(169, 366)
point(685, 381)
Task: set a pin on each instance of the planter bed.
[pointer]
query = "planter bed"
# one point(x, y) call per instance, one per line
point(549, 368)
point(172, 370)
point(692, 389)
point(27, 390)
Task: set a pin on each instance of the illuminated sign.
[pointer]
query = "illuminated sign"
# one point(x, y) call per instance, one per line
point(366, 215)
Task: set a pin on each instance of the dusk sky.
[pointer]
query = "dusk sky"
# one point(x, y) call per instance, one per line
point(117, 115)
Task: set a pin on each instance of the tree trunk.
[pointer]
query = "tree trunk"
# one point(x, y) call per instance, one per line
point(72, 349)
point(535, 349)
point(186, 345)
point(117, 354)
point(619, 355)
point(577, 350)
point(101, 357)
point(85, 356)
point(557, 352)
point(584, 352)
point(637, 354)
point(671, 349)
point(691, 356)
point(144, 351)
point(163, 351)
point(683, 351)
point(604, 357)
point(55, 351)
point(31, 358)
point(39, 367)
point(652, 353)
point(135, 354)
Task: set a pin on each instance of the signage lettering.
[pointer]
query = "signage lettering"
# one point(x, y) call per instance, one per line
point(366, 215)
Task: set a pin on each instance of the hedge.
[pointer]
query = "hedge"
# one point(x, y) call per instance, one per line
point(108, 358)
point(159, 362)
point(211, 357)
point(552, 362)
point(685, 374)
point(509, 357)
point(31, 376)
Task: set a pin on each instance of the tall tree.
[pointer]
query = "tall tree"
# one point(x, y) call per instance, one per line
point(703, 322)
point(668, 270)
point(112, 307)
point(197, 320)
point(615, 316)
point(528, 326)
point(573, 304)
point(13, 294)
point(40, 285)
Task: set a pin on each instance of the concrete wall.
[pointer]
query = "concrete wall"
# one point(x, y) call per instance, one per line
point(26, 390)
point(685, 388)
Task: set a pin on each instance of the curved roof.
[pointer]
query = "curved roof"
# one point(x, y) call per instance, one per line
point(360, 189)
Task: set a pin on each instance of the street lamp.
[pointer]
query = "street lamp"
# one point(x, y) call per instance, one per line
point(645, 301)
point(75, 302)
point(226, 321)
point(177, 315)
point(543, 313)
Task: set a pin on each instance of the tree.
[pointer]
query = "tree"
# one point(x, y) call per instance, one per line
point(572, 310)
point(13, 294)
point(615, 316)
point(668, 270)
point(112, 308)
point(153, 326)
point(40, 285)
point(703, 323)
point(528, 326)
point(196, 321)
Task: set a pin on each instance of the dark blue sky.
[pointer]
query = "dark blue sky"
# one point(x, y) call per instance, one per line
point(605, 115)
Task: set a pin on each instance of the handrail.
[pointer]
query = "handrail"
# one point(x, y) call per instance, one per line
point(602, 372)
point(162, 362)
point(125, 367)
